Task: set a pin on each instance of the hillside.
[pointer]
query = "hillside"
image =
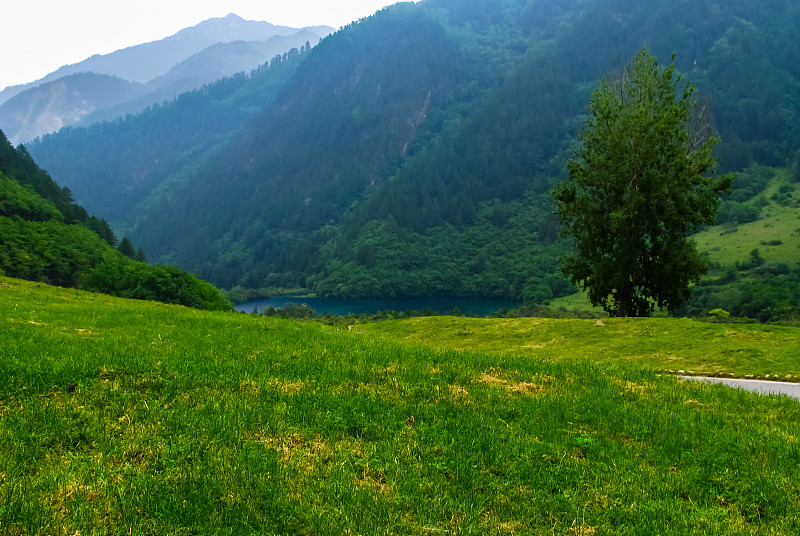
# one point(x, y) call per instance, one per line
point(753, 252)
point(660, 344)
point(46, 237)
point(127, 416)
point(411, 153)
point(773, 227)
point(18, 165)
point(147, 158)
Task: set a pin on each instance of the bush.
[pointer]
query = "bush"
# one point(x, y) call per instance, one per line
point(719, 314)
point(735, 212)
point(750, 182)
point(130, 279)
point(782, 199)
point(755, 260)
point(240, 294)
point(290, 310)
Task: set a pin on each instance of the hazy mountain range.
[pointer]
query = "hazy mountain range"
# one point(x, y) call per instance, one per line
point(128, 80)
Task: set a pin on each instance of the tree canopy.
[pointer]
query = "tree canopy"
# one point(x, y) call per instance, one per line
point(636, 189)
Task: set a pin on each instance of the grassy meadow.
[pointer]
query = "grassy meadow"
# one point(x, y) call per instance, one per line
point(130, 417)
point(661, 344)
point(776, 234)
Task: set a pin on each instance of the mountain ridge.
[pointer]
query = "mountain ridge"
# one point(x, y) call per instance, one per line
point(63, 101)
point(215, 62)
point(150, 66)
point(219, 32)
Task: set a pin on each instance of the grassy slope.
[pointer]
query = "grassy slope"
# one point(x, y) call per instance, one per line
point(777, 222)
point(654, 343)
point(579, 301)
point(128, 417)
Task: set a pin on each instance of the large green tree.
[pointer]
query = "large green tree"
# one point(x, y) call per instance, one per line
point(638, 186)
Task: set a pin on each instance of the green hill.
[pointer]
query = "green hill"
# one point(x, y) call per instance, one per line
point(121, 416)
point(39, 242)
point(774, 231)
point(753, 254)
point(657, 344)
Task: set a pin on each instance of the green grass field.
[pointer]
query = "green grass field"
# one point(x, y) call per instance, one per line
point(660, 344)
point(778, 223)
point(126, 417)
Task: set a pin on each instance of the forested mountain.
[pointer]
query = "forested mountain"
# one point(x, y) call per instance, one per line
point(45, 236)
point(148, 157)
point(20, 166)
point(129, 80)
point(411, 153)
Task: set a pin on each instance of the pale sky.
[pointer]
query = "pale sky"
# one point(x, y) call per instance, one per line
point(39, 36)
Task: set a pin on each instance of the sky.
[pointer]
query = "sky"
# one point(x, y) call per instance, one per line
point(39, 36)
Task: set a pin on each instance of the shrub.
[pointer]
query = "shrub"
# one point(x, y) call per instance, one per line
point(736, 212)
point(719, 314)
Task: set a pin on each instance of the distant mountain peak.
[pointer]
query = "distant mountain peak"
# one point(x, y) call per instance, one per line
point(144, 62)
point(149, 71)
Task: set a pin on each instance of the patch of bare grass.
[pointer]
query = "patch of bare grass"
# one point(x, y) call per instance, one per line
point(493, 377)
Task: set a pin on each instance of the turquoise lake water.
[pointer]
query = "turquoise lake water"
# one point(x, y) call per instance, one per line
point(337, 306)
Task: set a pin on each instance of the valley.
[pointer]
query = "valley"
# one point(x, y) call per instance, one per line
point(403, 166)
point(410, 154)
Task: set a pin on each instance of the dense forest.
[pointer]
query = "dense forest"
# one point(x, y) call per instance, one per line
point(410, 153)
point(45, 236)
point(159, 149)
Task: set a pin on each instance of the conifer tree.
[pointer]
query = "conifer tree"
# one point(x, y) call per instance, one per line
point(126, 248)
point(140, 256)
point(637, 188)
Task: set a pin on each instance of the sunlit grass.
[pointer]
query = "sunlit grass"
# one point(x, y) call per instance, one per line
point(126, 417)
point(654, 343)
point(779, 225)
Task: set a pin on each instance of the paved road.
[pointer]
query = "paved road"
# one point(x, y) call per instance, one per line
point(758, 386)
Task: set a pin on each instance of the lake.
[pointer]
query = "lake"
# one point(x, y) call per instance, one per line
point(341, 306)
